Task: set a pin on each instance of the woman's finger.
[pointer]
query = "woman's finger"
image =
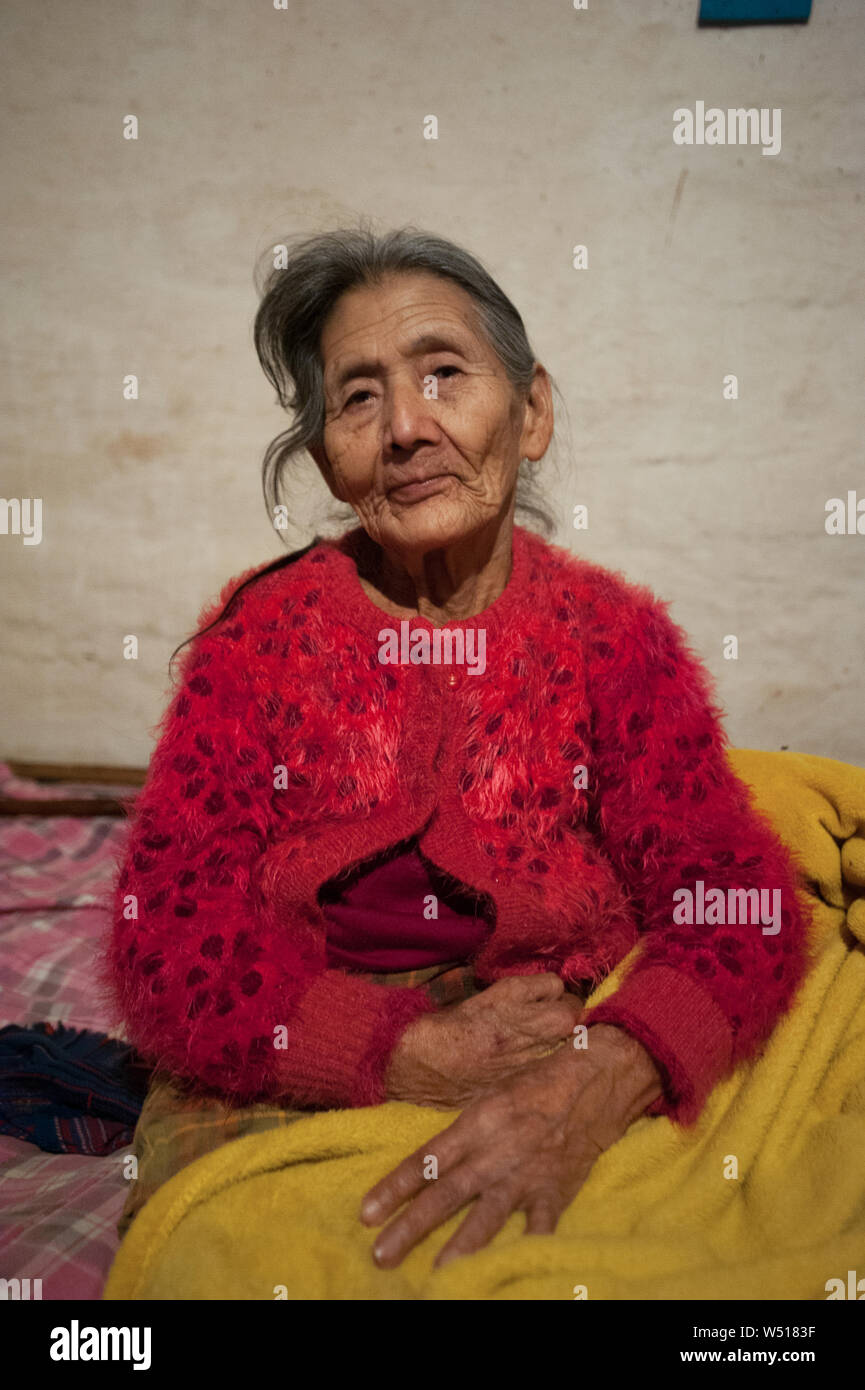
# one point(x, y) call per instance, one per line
point(553, 1020)
point(486, 1218)
point(412, 1175)
point(531, 988)
point(542, 1215)
point(544, 1207)
point(440, 1201)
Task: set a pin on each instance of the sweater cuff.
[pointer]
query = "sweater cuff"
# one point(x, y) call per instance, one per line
point(680, 1024)
point(341, 1037)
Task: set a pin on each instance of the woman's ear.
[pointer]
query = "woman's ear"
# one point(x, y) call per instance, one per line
point(538, 419)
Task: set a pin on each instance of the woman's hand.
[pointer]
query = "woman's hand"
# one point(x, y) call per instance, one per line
point(451, 1058)
point(528, 1147)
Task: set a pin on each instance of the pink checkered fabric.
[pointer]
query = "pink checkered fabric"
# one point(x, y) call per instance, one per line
point(58, 1212)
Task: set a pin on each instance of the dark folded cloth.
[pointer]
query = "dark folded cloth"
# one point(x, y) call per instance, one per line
point(68, 1090)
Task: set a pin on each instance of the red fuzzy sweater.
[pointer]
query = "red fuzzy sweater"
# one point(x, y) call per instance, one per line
point(289, 752)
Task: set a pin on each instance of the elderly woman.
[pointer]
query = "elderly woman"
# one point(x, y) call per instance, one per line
point(438, 748)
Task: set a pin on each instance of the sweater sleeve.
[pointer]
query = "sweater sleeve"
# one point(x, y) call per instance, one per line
point(209, 983)
point(671, 815)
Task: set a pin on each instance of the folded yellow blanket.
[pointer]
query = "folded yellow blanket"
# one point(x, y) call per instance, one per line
point(763, 1198)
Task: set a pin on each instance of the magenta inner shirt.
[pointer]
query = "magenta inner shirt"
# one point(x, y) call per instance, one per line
point(375, 916)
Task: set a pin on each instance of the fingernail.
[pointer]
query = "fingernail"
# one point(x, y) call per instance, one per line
point(370, 1209)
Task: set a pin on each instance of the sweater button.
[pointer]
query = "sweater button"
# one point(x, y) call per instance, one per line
point(452, 680)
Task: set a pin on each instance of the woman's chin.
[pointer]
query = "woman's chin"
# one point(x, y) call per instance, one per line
point(436, 521)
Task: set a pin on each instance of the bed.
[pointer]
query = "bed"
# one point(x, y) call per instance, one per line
point(59, 840)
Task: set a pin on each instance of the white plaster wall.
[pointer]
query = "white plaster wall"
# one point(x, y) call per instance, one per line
point(555, 128)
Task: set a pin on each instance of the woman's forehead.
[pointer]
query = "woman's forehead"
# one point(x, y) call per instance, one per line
point(405, 303)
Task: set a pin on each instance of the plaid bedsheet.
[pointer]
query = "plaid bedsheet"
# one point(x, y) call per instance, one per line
point(58, 1212)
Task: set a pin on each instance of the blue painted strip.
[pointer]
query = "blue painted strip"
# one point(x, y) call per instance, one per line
point(754, 11)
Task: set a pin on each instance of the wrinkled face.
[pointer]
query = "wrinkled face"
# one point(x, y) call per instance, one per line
point(423, 431)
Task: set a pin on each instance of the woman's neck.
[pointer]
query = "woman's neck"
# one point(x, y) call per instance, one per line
point(443, 585)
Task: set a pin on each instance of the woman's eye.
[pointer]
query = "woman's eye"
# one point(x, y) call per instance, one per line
point(446, 367)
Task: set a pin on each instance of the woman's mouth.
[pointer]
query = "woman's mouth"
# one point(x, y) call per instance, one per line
point(416, 492)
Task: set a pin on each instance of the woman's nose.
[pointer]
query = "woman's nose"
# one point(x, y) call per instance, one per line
point(408, 412)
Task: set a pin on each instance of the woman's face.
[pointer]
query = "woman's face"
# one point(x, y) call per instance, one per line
point(413, 389)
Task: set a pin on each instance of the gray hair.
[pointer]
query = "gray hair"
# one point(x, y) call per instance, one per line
point(296, 299)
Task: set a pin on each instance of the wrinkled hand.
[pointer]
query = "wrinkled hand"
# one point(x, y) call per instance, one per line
point(457, 1055)
point(527, 1147)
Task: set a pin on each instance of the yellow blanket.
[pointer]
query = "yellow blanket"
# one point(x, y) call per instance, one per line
point(660, 1217)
